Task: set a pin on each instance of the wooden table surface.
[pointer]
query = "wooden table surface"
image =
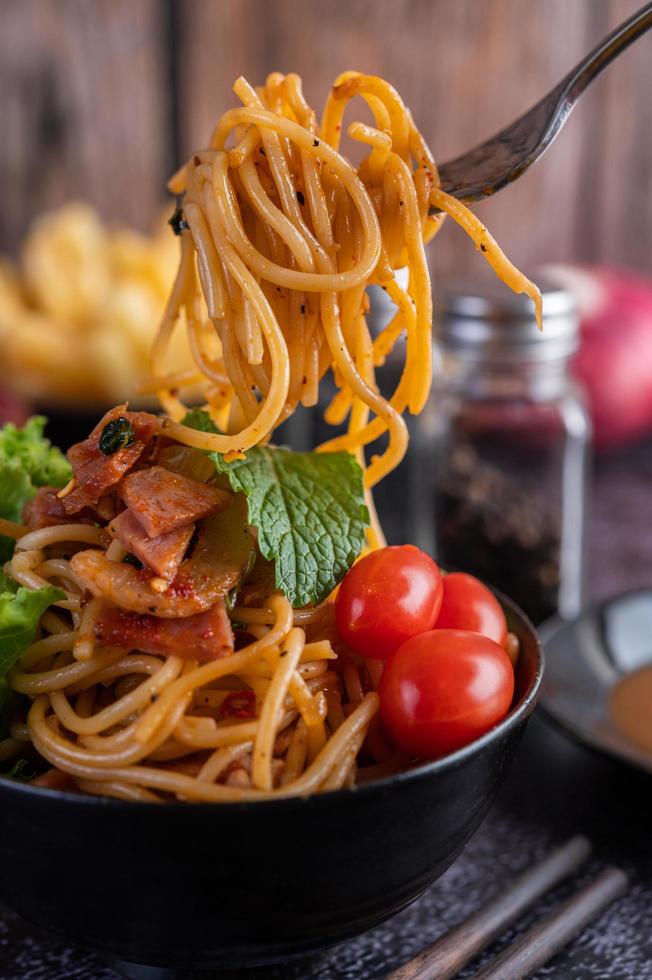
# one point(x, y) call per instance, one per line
point(554, 790)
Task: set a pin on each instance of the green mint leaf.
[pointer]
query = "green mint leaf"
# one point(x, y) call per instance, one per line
point(27, 461)
point(197, 418)
point(309, 510)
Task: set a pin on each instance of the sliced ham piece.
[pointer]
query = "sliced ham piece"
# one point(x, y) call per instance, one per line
point(205, 636)
point(96, 473)
point(54, 779)
point(46, 510)
point(163, 554)
point(163, 501)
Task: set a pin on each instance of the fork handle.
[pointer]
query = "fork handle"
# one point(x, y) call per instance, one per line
point(597, 60)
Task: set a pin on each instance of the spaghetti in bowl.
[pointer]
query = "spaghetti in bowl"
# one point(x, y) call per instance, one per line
point(245, 883)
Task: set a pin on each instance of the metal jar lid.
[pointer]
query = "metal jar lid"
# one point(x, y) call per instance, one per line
point(487, 320)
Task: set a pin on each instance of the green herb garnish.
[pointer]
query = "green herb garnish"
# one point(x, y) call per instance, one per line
point(308, 508)
point(116, 434)
point(22, 770)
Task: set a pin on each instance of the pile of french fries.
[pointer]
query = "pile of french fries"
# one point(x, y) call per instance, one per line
point(80, 307)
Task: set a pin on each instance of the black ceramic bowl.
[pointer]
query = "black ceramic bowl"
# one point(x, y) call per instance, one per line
point(186, 885)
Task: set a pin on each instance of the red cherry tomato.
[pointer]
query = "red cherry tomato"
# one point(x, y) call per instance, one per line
point(387, 597)
point(444, 688)
point(469, 605)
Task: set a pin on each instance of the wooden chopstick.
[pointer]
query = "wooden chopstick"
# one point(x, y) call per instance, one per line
point(530, 951)
point(448, 955)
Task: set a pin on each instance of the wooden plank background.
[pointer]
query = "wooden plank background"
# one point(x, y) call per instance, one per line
point(100, 98)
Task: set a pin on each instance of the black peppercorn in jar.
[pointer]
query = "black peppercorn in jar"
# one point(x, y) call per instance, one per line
point(502, 448)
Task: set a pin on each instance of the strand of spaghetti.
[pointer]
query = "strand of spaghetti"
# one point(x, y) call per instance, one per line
point(210, 672)
point(254, 350)
point(279, 375)
point(399, 400)
point(239, 373)
point(313, 668)
point(177, 379)
point(294, 279)
point(115, 713)
point(351, 676)
point(220, 759)
point(47, 536)
point(248, 145)
point(85, 702)
point(208, 266)
point(384, 342)
point(118, 790)
point(53, 622)
point(490, 249)
point(143, 776)
point(49, 645)
point(171, 404)
point(85, 640)
point(317, 734)
point(304, 700)
point(268, 211)
point(227, 735)
point(20, 573)
point(54, 749)
point(342, 770)
point(296, 754)
point(261, 770)
point(19, 731)
point(60, 568)
point(11, 529)
point(334, 109)
point(385, 94)
point(335, 715)
point(289, 233)
point(276, 147)
point(224, 735)
point(133, 663)
point(398, 436)
point(321, 766)
point(76, 761)
point(280, 152)
point(60, 677)
point(419, 346)
point(370, 136)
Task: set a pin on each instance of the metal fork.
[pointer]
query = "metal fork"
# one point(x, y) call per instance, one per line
point(501, 159)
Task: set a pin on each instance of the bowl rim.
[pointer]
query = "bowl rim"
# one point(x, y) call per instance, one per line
point(420, 771)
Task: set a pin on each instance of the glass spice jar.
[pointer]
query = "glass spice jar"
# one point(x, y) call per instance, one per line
point(499, 468)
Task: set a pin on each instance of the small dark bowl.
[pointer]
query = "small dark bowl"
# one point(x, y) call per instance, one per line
point(188, 885)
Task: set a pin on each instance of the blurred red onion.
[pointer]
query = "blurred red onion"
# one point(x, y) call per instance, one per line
point(614, 362)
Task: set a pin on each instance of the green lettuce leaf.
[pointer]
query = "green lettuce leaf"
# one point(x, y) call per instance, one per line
point(20, 611)
point(27, 461)
point(308, 508)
